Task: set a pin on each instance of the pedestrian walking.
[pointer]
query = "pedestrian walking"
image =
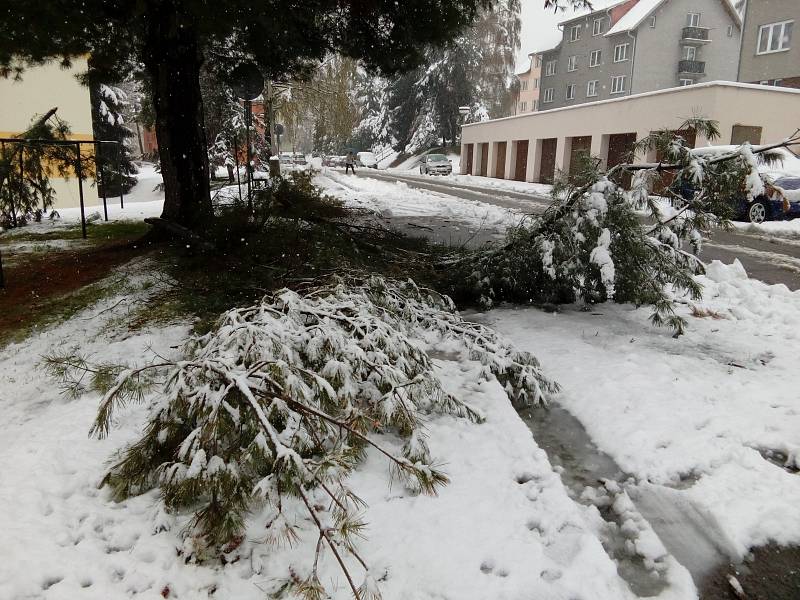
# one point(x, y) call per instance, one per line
point(350, 162)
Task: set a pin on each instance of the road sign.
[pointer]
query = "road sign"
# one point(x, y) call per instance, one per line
point(247, 81)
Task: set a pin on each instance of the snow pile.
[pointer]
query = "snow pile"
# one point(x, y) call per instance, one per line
point(400, 200)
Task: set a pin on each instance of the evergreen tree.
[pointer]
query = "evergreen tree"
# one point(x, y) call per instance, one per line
point(475, 70)
point(114, 162)
point(172, 39)
point(26, 169)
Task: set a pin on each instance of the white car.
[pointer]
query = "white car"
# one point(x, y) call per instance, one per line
point(367, 159)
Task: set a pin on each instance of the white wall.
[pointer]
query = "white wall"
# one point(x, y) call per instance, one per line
point(773, 109)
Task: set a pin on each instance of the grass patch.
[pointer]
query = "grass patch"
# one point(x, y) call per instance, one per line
point(58, 310)
point(96, 231)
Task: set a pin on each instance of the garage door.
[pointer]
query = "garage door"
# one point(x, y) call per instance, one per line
point(620, 147)
point(468, 150)
point(500, 163)
point(520, 170)
point(581, 145)
point(547, 171)
point(484, 159)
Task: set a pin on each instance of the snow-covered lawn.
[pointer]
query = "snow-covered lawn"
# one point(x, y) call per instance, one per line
point(695, 417)
point(504, 527)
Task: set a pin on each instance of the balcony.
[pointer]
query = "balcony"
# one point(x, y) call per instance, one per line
point(692, 67)
point(694, 35)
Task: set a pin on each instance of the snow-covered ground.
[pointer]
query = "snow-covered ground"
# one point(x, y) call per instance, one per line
point(505, 527)
point(400, 200)
point(709, 419)
point(704, 406)
point(783, 229)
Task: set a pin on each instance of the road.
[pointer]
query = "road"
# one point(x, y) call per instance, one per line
point(770, 259)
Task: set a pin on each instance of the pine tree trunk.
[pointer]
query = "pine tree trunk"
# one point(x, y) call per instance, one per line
point(173, 62)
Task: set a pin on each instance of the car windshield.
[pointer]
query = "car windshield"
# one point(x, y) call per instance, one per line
point(436, 157)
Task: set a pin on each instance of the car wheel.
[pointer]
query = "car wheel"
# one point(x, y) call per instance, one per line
point(758, 212)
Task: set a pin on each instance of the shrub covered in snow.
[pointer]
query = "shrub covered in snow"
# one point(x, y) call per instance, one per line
point(275, 406)
point(592, 245)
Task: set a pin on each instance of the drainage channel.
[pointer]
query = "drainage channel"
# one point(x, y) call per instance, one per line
point(633, 511)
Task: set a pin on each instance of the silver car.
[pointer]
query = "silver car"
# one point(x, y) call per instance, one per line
point(435, 164)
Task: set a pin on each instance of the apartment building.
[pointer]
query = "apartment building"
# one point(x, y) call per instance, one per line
point(769, 55)
point(527, 97)
point(638, 46)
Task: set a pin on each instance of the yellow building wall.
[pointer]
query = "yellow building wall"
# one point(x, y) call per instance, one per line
point(40, 89)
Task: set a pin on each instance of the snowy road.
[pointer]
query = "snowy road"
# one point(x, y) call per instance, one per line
point(770, 258)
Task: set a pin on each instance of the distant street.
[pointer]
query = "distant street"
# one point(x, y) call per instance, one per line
point(768, 258)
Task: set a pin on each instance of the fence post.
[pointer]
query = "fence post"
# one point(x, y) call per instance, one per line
point(101, 177)
point(80, 190)
point(119, 173)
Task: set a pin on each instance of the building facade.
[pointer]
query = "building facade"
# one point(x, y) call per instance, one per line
point(769, 53)
point(40, 89)
point(537, 146)
point(639, 46)
point(527, 97)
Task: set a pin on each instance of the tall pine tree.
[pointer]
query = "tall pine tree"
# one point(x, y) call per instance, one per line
point(172, 39)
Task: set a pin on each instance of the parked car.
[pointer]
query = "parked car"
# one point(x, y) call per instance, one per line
point(366, 159)
point(781, 200)
point(299, 159)
point(435, 164)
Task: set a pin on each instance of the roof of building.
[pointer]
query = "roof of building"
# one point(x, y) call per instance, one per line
point(634, 17)
point(769, 89)
point(596, 11)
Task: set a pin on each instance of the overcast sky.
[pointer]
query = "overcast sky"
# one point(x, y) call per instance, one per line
point(539, 31)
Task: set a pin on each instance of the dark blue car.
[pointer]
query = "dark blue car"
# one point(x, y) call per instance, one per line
point(782, 202)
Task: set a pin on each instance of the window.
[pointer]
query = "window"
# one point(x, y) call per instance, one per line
point(548, 95)
point(693, 20)
point(653, 21)
point(591, 89)
point(523, 106)
point(594, 58)
point(618, 84)
point(574, 33)
point(572, 63)
point(685, 82)
point(570, 91)
point(688, 53)
point(597, 27)
point(534, 105)
point(621, 52)
point(524, 84)
point(536, 83)
point(730, 30)
point(775, 37)
point(550, 67)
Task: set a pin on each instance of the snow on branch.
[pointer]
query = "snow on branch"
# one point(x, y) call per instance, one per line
point(280, 402)
point(599, 241)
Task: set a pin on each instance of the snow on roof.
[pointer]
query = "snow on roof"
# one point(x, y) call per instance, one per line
point(597, 7)
point(632, 18)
